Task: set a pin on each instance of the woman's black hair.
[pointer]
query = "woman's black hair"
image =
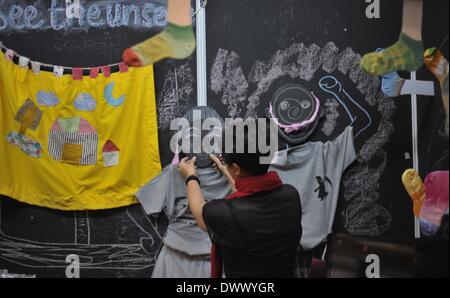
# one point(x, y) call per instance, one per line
point(249, 162)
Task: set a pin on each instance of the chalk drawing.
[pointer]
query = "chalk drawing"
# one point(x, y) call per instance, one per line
point(228, 78)
point(176, 95)
point(308, 63)
point(331, 116)
point(363, 216)
point(331, 85)
point(35, 254)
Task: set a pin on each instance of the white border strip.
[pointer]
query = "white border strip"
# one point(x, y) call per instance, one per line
point(202, 86)
point(415, 144)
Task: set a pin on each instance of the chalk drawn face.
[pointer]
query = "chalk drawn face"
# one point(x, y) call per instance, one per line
point(294, 104)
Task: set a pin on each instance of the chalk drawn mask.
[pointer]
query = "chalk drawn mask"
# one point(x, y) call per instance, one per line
point(296, 111)
point(200, 114)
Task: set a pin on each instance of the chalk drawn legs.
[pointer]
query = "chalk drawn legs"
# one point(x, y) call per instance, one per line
point(177, 41)
point(407, 53)
point(360, 119)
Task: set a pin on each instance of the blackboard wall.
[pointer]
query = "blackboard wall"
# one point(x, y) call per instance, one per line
point(249, 42)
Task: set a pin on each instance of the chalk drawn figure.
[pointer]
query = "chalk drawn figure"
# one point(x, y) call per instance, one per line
point(362, 215)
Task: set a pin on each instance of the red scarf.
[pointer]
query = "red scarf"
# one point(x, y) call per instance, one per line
point(245, 188)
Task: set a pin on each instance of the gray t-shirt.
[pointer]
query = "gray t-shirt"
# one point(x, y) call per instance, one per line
point(167, 193)
point(315, 170)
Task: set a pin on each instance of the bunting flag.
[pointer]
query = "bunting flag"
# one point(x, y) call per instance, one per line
point(106, 70)
point(35, 67)
point(68, 158)
point(94, 72)
point(23, 61)
point(9, 54)
point(123, 67)
point(77, 74)
point(58, 71)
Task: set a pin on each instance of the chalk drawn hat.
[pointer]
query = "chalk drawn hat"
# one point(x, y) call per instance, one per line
point(296, 111)
point(73, 141)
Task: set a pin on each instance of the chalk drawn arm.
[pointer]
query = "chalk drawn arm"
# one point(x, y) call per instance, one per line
point(360, 119)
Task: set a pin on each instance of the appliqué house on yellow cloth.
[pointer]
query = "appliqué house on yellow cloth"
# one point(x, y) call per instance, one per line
point(53, 156)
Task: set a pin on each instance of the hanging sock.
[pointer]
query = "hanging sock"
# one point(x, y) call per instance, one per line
point(177, 42)
point(415, 188)
point(438, 65)
point(436, 202)
point(405, 55)
point(394, 86)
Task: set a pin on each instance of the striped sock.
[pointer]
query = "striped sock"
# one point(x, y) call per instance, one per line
point(177, 42)
point(405, 55)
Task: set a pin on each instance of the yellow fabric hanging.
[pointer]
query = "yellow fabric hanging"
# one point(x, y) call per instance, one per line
point(77, 145)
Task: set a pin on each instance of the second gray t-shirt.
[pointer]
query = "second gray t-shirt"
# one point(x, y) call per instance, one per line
point(315, 170)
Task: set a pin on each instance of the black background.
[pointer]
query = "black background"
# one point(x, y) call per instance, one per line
point(255, 30)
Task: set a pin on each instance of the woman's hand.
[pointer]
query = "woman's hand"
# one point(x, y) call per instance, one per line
point(224, 170)
point(187, 167)
point(218, 164)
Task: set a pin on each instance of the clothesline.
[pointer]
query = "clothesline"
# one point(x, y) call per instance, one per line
point(4, 48)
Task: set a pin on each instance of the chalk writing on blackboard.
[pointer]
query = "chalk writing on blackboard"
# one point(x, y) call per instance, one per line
point(51, 15)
